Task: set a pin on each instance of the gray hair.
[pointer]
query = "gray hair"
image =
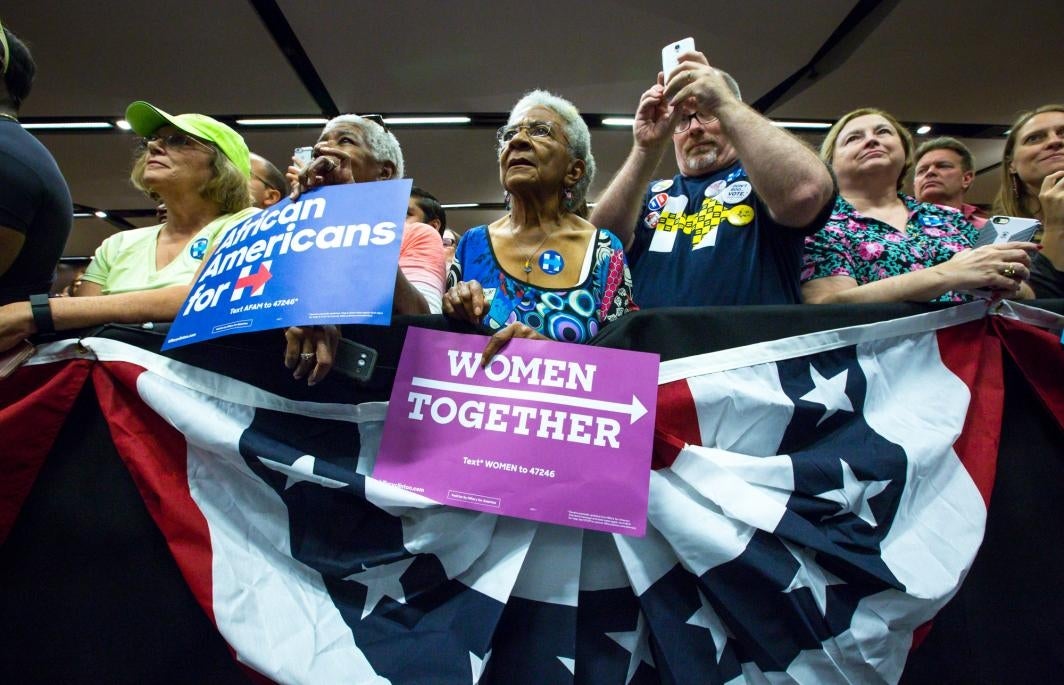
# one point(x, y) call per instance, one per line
point(575, 130)
point(382, 143)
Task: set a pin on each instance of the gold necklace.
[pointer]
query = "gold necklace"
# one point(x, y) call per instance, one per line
point(528, 258)
point(5, 115)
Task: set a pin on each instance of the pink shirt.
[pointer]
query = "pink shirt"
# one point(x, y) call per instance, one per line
point(421, 260)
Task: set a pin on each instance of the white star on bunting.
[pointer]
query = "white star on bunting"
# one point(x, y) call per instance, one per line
point(637, 643)
point(811, 575)
point(382, 581)
point(830, 392)
point(706, 617)
point(302, 469)
point(854, 495)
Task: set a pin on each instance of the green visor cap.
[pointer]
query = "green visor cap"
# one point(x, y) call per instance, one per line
point(146, 120)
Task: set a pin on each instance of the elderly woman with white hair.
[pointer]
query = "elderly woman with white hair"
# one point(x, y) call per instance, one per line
point(357, 149)
point(541, 271)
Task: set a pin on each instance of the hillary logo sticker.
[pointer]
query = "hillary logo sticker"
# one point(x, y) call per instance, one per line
point(197, 249)
point(658, 201)
point(551, 262)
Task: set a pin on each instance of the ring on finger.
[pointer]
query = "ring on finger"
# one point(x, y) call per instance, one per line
point(306, 356)
point(1009, 271)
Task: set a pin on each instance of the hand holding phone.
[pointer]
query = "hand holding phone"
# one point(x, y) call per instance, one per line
point(303, 155)
point(670, 55)
point(1005, 229)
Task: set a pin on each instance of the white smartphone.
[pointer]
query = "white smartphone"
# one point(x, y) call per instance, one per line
point(303, 155)
point(1004, 229)
point(670, 55)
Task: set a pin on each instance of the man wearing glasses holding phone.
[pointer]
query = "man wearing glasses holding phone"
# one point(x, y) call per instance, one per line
point(267, 185)
point(729, 228)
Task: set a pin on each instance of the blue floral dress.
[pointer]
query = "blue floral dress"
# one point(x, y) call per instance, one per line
point(867, 249)
point(566, 314)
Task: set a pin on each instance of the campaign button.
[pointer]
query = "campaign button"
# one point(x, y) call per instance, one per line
point(662, 185)
point(651, 220)
point(736, 192)
point(658, 201)
point(714, 188)
point(551, 262)
point(198, 248)
point(740, 215)
point(738, 173)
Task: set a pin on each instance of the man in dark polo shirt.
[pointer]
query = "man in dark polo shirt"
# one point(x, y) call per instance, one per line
point(35, 207)
point(729, 228)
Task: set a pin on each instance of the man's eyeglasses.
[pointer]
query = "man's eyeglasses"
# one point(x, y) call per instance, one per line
point(265, 183)
point(535, 129)
point(174, 141)
point(685, 121)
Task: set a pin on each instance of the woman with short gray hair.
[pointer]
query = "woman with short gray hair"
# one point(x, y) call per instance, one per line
point(541, 271)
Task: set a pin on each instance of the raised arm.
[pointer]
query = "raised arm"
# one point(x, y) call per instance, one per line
point(790, 179)
point(618, 207)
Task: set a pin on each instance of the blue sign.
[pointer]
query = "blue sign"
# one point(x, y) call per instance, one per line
point(330, 257)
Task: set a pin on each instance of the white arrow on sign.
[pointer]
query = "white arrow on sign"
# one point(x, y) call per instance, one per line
point(635, 410)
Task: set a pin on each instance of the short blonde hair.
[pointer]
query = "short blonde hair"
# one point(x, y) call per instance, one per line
point(227, 187)
point(827, 148)
point(1012, 198)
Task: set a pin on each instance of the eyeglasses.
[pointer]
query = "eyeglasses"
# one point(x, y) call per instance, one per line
point(174, 141)
point(449, 242)
point(685, 121)
point(535, 129)
point(265, 183)
point(376, 119)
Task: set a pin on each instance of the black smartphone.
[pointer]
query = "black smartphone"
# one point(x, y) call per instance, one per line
point(355, 360)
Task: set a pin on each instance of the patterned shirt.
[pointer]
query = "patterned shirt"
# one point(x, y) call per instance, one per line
point(566, 314)
point(867, 249)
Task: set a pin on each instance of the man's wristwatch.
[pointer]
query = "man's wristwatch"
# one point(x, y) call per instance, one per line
point(42, 316)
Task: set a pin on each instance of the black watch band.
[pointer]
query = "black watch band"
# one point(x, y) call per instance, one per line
point(42, 315)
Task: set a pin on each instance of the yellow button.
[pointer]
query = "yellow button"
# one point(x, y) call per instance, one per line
point(740, 215)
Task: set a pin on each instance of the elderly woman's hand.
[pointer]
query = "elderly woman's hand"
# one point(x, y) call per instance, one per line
point(311, 348)
point(697, 81)
point(499, 340)
point(1002, 267)
point(331, 166)
point(16, 323)
point(465, 302)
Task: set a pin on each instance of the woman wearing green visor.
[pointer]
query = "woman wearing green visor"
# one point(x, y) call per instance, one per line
point(200, 168)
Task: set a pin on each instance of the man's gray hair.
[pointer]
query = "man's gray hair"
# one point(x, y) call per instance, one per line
point(382, 144)
point(576, 132)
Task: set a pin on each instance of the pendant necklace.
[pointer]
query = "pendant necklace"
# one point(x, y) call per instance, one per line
point(527, 268)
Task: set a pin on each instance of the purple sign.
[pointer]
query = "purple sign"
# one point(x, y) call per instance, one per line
point(547, 431)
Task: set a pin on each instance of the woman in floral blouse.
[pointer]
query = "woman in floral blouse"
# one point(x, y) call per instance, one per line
point(881, 245)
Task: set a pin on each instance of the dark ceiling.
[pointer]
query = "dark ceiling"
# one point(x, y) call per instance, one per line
point(966, 68)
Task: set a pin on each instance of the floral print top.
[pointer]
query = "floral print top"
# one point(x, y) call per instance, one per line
point(867, 249)
point(566, 314)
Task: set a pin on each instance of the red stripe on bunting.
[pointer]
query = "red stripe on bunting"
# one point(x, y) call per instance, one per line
point(974, 356)
point(1040, 357)
point(34, 403)
point(156, 455)
point(676, 423)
